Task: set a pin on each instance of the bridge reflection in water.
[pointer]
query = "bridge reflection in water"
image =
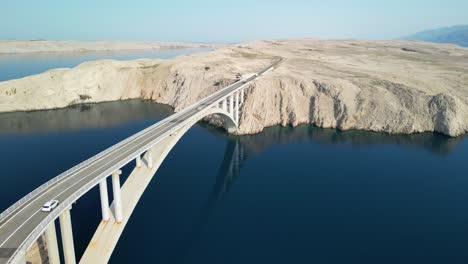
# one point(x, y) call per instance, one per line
point(148, 148)
point(240, 148)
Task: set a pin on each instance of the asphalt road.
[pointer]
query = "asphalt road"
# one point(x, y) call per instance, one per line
point(20, 224)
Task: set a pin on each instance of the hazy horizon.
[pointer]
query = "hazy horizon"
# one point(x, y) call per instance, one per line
point(214, 21)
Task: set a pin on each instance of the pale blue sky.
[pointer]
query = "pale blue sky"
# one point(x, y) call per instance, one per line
point(224, 21)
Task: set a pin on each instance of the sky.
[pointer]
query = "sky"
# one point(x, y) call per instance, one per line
point(224, 21)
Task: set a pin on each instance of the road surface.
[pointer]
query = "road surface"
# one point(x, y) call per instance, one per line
point(17, 226)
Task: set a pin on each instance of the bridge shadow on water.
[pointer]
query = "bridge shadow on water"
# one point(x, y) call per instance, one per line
point(72, 134)
point(108, 115)
point(239, 149)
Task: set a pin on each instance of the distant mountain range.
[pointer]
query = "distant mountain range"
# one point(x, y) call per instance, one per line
point(455, 35)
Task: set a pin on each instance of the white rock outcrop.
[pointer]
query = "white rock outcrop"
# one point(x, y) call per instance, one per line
point(383, 86)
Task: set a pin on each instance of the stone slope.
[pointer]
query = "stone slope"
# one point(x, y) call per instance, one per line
point(384, 86)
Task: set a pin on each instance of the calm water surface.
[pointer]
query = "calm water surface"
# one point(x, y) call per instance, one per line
point(287, 195)
point(14, 66)
point(297, 195)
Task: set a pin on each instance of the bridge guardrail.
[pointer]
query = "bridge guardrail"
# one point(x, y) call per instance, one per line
point(65, 204)
point(70, 171)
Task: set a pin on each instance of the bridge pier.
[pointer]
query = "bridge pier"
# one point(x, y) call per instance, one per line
point(224, 104)
point(149, 158)
point(138, 161)
point(67, 237)
point(231, 104)
point(88, 174)
point(236, 117)
point(117, 196)
point(52, 244)
point(104, 200)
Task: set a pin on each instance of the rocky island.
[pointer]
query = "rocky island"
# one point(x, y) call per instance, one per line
point(383, 86)
point(33, 46)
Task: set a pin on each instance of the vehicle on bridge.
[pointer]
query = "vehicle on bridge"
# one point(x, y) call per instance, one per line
point(49, 206)
point(148, 148)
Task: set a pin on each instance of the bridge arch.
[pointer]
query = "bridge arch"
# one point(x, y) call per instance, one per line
point(148, 147)
point(152, 158)
point(101, 248)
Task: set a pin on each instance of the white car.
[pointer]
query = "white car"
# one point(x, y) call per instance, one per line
point(47, 207)
point(200, 108)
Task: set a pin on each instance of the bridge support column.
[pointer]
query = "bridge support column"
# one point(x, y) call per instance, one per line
point(231, 104)
point(138, 161)
point(236, 117)
point(67, 237)
point(104, 200)
point(52, 245)
point(149, 159)
point(117, 196)
point(224, 104)
point(242, 96)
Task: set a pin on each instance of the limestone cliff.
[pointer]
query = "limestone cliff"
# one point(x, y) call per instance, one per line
point(386, 86)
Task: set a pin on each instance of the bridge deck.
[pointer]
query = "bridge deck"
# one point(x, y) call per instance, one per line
point(20, 225)
point(108, 232)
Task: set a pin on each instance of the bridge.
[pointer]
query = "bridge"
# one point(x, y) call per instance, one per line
point(23, 223)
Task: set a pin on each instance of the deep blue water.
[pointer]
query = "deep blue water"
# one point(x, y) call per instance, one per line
point(297, 195)
point(287, 195)
point(14, 66)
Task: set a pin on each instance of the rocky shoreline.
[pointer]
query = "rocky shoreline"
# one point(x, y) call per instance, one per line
point(382, 86)
point(32, 46)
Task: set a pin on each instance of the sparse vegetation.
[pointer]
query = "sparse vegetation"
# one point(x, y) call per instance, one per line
point(409, 50)
point(11, 92)
point(84, 97)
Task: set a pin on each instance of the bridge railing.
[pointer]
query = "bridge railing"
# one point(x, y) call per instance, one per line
point(69, 172)
point(75, 168)
point(65, 204)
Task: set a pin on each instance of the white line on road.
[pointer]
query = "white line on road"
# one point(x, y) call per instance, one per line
point(157, 129)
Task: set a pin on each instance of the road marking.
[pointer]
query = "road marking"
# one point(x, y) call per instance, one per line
point(14, 232)
point(162, 122)
point(74, 184)
point(70, 177)
point(153, 130)
point(185, 114)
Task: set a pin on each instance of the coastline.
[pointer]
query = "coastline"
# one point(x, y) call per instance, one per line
point(379, 86)
point(39, 46)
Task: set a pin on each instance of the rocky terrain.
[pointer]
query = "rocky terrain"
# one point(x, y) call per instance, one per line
point(28, 46)
point(382, 86)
